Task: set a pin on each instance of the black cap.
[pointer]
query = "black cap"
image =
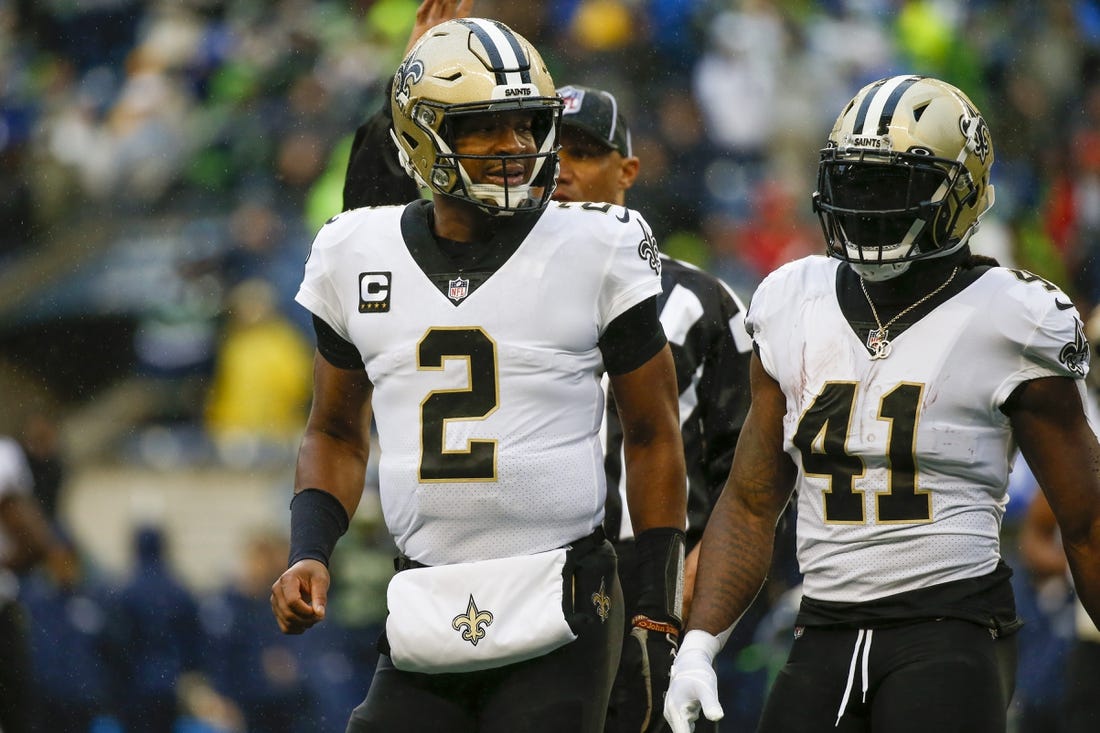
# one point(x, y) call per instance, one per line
point(596, 112)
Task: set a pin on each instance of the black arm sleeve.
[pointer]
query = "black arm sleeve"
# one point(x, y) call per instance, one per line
point(336, 350)
point(374, 176)
point(633, 338)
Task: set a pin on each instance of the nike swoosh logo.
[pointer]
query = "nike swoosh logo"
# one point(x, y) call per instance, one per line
point(1062, 306)
point(625, 217)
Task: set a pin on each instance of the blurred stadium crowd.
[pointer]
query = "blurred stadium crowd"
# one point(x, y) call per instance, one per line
point(165, 163)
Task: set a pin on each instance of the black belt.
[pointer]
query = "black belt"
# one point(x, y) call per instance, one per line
point(404, 562)
point(582, 546)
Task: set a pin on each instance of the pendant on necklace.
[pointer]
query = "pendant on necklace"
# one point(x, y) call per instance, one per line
point(879, 344)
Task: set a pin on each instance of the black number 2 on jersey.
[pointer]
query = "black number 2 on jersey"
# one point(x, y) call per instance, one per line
point(478, 400)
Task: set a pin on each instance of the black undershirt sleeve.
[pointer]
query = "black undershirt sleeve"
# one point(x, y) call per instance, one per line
point(336, 350)
point(633, 338)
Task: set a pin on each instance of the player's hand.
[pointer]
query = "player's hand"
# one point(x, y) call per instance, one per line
point(640, 685)
point(694, 685)
point(433, 12)
point(299, 596)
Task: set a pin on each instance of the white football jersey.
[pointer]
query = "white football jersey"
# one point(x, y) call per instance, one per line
point(903, 462)
point(15, 479)
point(487, 391)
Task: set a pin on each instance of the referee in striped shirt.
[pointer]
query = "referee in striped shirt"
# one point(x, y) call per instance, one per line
point(704, 322)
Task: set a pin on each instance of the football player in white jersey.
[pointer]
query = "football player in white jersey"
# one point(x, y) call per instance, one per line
point(475, 327)
point(891, 384)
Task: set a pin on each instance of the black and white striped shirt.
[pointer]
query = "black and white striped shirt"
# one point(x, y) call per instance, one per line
point(704, 321)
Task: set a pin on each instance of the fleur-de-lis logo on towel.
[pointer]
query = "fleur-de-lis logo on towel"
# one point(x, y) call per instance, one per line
point(473, 621)
point(602, 602)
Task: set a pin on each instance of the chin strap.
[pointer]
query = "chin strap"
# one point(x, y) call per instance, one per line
point(879, 273)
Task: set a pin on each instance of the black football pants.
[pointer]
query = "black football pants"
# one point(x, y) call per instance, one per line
point(15, 670)
point(947, 676)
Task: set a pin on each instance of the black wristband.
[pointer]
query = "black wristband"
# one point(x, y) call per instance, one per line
point(317, 521)
point(659, 554)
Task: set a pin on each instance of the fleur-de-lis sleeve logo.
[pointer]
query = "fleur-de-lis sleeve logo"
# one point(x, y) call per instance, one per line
point(602, 601)
point(1076, 355)
point(472, 623)
point(647, 249)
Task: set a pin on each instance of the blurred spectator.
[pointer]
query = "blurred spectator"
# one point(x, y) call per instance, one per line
point(671, 141)
point(265, 243)
point(40, 439)
point(1044, 601)
point(844, 45)
point(91, 33)
point(772, 235)
point(175, 339)
point(1073, 203)
point(204, 710)
point(601, 25)
point(154, 639)
point(17, 217)
point(248, 661)
point(25, 540)
point(736, 85)
point(68, 609)
point(160, 104)
point(259, 397)
point(1072, 705)
point(146, 127)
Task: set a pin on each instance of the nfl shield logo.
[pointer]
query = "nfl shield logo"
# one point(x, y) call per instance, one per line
point(458, 289)
point(572, 99)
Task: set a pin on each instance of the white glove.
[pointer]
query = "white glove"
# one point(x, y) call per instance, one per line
point(693, 684)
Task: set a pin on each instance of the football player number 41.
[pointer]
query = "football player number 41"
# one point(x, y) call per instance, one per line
point(822, 438)
point(476, 401)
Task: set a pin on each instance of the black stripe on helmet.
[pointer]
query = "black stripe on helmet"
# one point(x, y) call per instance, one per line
point(892, 101)
point(496, 60)
point(864, 105)
point(517, 48)
point(888, 107)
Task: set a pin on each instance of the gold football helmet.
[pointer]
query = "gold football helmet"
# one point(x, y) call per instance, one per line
point(473, 66)
point(904, 175)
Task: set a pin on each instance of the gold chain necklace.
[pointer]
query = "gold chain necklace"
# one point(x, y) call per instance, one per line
point(878, 340)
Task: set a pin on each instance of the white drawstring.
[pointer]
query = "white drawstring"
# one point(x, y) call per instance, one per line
point(866, 656)
point(865, 676)
point(851, 678)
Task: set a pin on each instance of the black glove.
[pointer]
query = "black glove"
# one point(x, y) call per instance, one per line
point(638, 696)
point(653, 634)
